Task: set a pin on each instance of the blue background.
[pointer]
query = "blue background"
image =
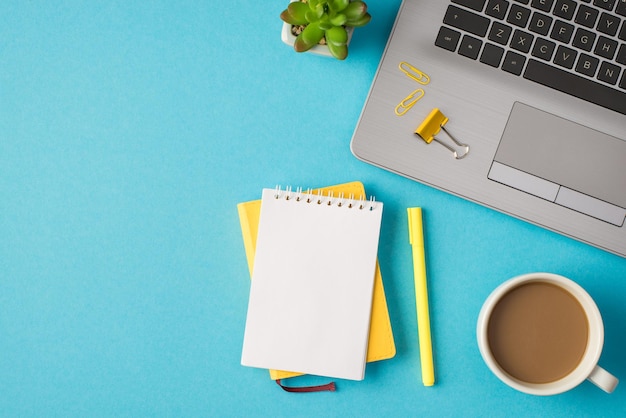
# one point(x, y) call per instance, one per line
point(130, 130)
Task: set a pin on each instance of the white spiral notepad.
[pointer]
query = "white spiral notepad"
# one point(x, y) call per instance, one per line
point(311, 290)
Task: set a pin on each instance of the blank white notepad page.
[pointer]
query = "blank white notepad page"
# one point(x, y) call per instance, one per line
point(311, 290)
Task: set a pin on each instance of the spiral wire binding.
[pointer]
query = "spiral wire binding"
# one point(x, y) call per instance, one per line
point(308, 196)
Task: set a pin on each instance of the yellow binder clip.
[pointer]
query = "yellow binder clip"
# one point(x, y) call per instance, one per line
point(412, 72)
point(432, 125)
point(408, 102)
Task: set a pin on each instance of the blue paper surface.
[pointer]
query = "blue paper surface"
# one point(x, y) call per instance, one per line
point(130, 130)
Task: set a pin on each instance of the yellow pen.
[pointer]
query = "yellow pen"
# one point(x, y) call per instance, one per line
point(416, 238)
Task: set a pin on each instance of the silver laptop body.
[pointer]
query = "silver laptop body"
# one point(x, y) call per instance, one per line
point(535, 153)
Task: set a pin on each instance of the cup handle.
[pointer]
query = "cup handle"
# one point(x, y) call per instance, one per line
point(603, 379)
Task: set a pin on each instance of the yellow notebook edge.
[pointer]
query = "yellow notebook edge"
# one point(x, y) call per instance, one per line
point(381, 344)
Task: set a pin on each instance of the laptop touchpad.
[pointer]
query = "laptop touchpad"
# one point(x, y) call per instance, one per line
point(563, 162)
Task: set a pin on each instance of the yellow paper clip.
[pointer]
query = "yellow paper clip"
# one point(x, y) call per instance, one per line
point(431, 126)
point(409, 101)
point(414, 73)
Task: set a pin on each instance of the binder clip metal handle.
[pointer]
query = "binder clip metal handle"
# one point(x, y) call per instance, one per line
point(432, 125)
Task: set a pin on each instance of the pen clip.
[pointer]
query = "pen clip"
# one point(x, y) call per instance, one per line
point(416, 236)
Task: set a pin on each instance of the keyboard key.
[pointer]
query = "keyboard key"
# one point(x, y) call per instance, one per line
point(605, 4)
point(518, 16)
point(562, 31)
point(467, 21)
point(565, 57)
point(622, 32)
point(513, 63)
point(622, 83)
point(543, 49)
point(523, 1)
point(605, 47)
point(492, 55)
point(470, 47)
point(565, 9)
point(584, 39)
point(609, 73)
point(447, 39)
point(586, 16)
point(472, 4)
point(540, 24)
point(500, 33)
point(521, 41)
point(608, 24)
point(575, 85)
point(587, 65)
point(497, 8)
point(621, 8)
point(545, 5)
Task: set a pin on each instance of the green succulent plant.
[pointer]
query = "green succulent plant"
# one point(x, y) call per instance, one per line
point(325, 19)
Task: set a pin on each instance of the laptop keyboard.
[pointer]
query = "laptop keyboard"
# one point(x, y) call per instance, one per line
point(576, 47)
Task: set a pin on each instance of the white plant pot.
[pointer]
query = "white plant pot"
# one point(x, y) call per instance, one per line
point(290, 39)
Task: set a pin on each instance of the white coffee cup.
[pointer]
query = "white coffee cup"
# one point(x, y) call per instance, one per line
point(587, 368)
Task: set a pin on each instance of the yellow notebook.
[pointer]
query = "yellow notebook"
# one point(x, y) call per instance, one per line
point(381, 344)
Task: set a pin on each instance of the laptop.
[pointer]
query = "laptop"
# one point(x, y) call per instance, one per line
point(519, 106)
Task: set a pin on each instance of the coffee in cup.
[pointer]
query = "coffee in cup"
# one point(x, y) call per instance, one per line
point(542, 334)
